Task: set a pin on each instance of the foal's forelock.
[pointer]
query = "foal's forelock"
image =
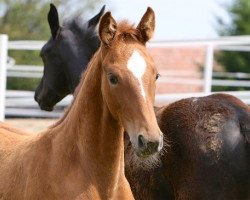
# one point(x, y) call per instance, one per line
point(127, 33)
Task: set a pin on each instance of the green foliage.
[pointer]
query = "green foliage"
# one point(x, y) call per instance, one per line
point(232, 61)
point(239, 12)
point(24, 58)
point(240, 25)
point(14, 83)
point(27, 20)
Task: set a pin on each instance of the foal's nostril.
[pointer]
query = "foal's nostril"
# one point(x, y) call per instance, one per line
point(145, 147)
point(141, 141)
point(153, 146)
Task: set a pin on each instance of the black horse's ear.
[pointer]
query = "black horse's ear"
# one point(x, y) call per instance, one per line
point(94, 21)
point(53, 20)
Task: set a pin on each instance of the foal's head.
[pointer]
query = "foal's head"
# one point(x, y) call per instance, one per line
point(128, 80)
point(65, 56)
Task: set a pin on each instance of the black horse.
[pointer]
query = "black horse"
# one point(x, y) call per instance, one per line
point(209, 153)
point(65, 56)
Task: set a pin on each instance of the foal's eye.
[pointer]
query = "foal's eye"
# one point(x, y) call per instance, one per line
point(157, 76)
point(112, 79)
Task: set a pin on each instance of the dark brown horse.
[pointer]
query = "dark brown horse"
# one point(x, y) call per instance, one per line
point(209, 153)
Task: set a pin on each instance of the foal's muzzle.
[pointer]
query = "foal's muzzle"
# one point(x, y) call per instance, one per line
point(147, 148)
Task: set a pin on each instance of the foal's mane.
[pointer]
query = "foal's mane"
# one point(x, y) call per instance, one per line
point(125, 32)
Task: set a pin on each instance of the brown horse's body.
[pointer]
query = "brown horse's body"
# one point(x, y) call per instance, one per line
point(209, 153)
point(82, 155)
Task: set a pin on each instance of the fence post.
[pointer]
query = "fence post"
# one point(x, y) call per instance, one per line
point(208, 69)
point(3, 65)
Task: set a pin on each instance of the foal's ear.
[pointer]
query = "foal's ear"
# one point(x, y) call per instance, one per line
point(94, 21)
point(53, 20)
point(107, 28)
point(147, 25)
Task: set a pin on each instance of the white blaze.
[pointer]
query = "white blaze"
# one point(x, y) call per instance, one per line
point(137, 65)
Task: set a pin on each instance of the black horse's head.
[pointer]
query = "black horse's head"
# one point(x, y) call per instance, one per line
point(65, 56)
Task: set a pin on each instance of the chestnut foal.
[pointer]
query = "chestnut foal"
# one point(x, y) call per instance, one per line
point(82, 156)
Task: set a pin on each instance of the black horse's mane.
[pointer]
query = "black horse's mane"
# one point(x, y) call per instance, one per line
point(81, 28)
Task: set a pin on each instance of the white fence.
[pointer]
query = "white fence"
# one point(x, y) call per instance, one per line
point(239, 43)
point(3, 64)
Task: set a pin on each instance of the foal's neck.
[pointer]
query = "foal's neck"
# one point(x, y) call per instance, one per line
point(97, 136)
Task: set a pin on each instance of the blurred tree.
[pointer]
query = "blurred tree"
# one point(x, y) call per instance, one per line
point(27, 20)
point(235, 61)
point(239, 11)
point(24, 20)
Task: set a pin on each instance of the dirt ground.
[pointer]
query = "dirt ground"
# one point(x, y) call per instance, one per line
point(31, 125)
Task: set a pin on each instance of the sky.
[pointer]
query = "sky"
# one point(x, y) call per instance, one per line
point(175, 19)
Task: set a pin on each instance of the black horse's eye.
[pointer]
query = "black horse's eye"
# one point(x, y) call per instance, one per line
point(112, 79)
point(157, 76)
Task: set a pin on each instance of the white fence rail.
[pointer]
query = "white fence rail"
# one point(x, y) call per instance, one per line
point(25, 71)
point(18, 100)
point(3, 63)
